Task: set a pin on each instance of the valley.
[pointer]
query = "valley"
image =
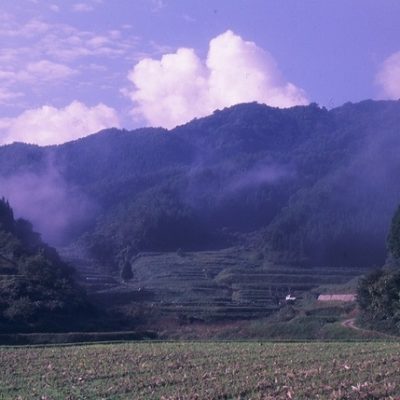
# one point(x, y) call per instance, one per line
point(209, 287)
point(217, 220)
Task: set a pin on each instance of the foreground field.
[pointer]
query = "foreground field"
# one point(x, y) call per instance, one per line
point(202, 370)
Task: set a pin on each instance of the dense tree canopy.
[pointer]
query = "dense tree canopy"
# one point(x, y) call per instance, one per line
point(303, 183)
point(379, 291)
point(379, 299)
point(36, 287)
point(394, 235)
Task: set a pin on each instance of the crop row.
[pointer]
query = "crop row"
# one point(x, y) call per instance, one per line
point(207, 370)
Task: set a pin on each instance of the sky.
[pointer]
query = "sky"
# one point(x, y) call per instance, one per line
point(69, 68)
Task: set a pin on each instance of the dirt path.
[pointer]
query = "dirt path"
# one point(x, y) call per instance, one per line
point(351, 324)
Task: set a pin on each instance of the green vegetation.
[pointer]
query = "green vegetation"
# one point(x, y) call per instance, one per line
point(379, 291)
point(394, 235)
point(296, 179)
point(379, 300)
point(302, 184)
point(36, 288)
point(210, 286)
point(205, 370)
point(216, 220)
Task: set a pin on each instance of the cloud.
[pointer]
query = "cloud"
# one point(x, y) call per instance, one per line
point(7, 96)
point(172, 90)
point(49, 125)
point(82, 7)
point(38, 72)
point(258, 175)
point(10, 28)
point(36, 196)
point(48, 71)
point(55, 8)
point(388, 77)
point(188, 18)
point(38, 58)
point(181, 86)
point(58, 41)
point(157, 5)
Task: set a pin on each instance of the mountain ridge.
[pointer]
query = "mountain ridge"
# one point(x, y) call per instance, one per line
point(287, 177)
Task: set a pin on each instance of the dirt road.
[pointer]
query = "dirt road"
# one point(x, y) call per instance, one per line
point(351, 324)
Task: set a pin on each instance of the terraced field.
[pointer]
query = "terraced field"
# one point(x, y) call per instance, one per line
point(227, 284)
point(203, 370)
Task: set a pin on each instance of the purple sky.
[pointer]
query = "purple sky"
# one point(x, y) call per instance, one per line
point(70, 68)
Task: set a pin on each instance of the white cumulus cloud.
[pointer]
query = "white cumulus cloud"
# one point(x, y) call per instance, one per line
point(388, 77)
point(49, 125)
point(181, 86)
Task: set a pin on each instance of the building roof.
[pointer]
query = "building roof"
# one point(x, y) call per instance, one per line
point(337, 297)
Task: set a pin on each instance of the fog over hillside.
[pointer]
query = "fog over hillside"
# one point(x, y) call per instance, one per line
point(304, 183)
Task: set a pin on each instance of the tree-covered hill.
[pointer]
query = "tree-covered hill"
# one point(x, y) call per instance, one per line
point(379, 291)
point(302, 184)
point(36, 288)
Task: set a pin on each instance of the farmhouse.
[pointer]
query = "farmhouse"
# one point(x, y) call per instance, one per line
point(337, 297)
point(290, 299)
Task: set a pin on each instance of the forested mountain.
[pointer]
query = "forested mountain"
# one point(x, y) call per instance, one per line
point(36, 288)
point(304, 184)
